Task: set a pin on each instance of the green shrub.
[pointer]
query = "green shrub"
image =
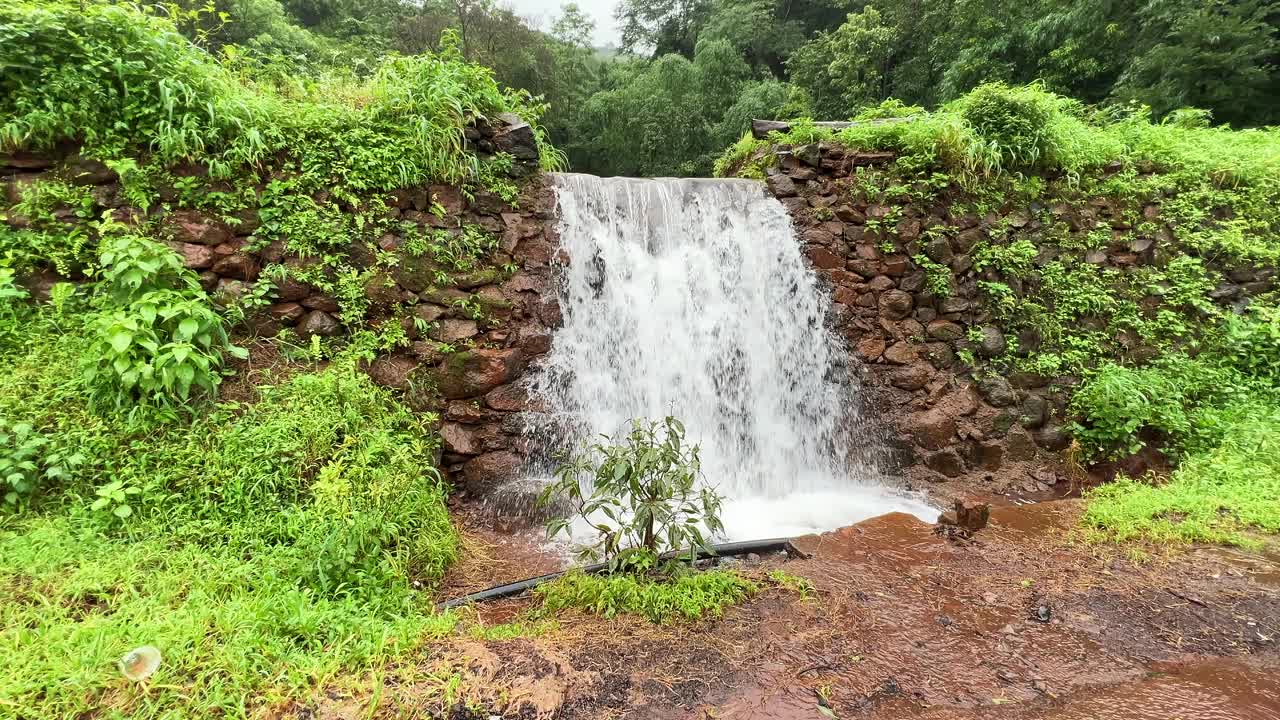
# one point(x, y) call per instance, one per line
point(1014, 123)
point(122, 80)
point(691, 596)
point(155, 351)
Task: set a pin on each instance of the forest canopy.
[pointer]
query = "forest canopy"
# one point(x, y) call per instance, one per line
point(690, 73)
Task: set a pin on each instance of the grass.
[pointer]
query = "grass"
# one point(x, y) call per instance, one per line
point(1226, 494)
point(268, 547)
point(689, 596)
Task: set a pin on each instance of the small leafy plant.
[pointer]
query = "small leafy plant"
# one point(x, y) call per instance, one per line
point(27, 458)
point(640, 492)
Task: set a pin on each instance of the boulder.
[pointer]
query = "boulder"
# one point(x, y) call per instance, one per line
point(392, 371)
point(459, 439)
point(450, 331)
point(944, 331)
point(198, 228)
point(932, 429)
point(196, 257)
point(318, 322)
point(289, 313)
point(911, 377)
point(487, 471)
point(992, 342)
point(947, 462)
point(895, 304)
point(997, 391)
point(239, 266)
point(476, 372)
point(780, 185)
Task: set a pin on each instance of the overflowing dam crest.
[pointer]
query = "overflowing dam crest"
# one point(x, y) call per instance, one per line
point(691, 298)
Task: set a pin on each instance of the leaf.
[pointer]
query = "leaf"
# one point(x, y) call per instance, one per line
point(122, 511)
point(121, 340)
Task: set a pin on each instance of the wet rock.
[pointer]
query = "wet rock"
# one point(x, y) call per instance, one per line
point(1035, 411)
point(912, 377)
point(392, 371)
point(239, 266)
point(871, 348)
point(193, 226)
point(992, 342)
point(947, 462)
point(970, 516)
point(900, 353)
point(318, 322)
point(808, 154)
point(288, 313)
point(459, 439)
point(1053, 438)
point(823, 258)
point(945, 331)
point(451, 330)
point(487, 471)
point(87, 171)
point(932, 429)
point(997, 391)
point(895, 304)
point(780, 185)
point(517, 139)
point(475, 372)
point(321, 302)
point(196, 257)
point(939, 251)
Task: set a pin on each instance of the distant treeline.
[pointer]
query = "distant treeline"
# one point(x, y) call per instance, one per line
point(691, 73)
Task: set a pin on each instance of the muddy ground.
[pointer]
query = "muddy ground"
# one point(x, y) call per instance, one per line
point(1021, 622)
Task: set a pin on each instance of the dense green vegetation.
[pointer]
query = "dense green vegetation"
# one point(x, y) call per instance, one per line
point(691, 73)
point(264, 543)
point(271, 542)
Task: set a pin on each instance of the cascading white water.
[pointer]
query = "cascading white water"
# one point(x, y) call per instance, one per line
point(691, 298)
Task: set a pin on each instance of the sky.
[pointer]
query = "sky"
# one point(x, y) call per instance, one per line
point(545, 11)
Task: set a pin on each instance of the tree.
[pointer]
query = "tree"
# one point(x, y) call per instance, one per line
point(1221, 56)
point(849, 67)
point(660, 27)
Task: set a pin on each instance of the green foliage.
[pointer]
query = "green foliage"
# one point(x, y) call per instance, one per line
point(644, 496)
point(1219, 494)
point(265, 547)
point(29, 459)
point(122, 80)
point(690, 596)
point(799, 585)
point(155, 336)
point(849, 67)
point(937, 277)
point(1012, 260)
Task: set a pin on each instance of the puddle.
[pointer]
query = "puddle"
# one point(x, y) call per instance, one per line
point(1036, 520)
point(1218, 689)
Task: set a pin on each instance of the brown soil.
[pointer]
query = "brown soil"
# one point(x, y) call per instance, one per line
point(1020, 622)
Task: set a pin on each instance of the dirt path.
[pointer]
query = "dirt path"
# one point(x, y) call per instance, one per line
point(1018, 623)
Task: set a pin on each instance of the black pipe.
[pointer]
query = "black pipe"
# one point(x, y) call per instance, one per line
point(722, 550)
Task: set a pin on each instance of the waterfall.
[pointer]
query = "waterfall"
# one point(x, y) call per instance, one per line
point(691, 298)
